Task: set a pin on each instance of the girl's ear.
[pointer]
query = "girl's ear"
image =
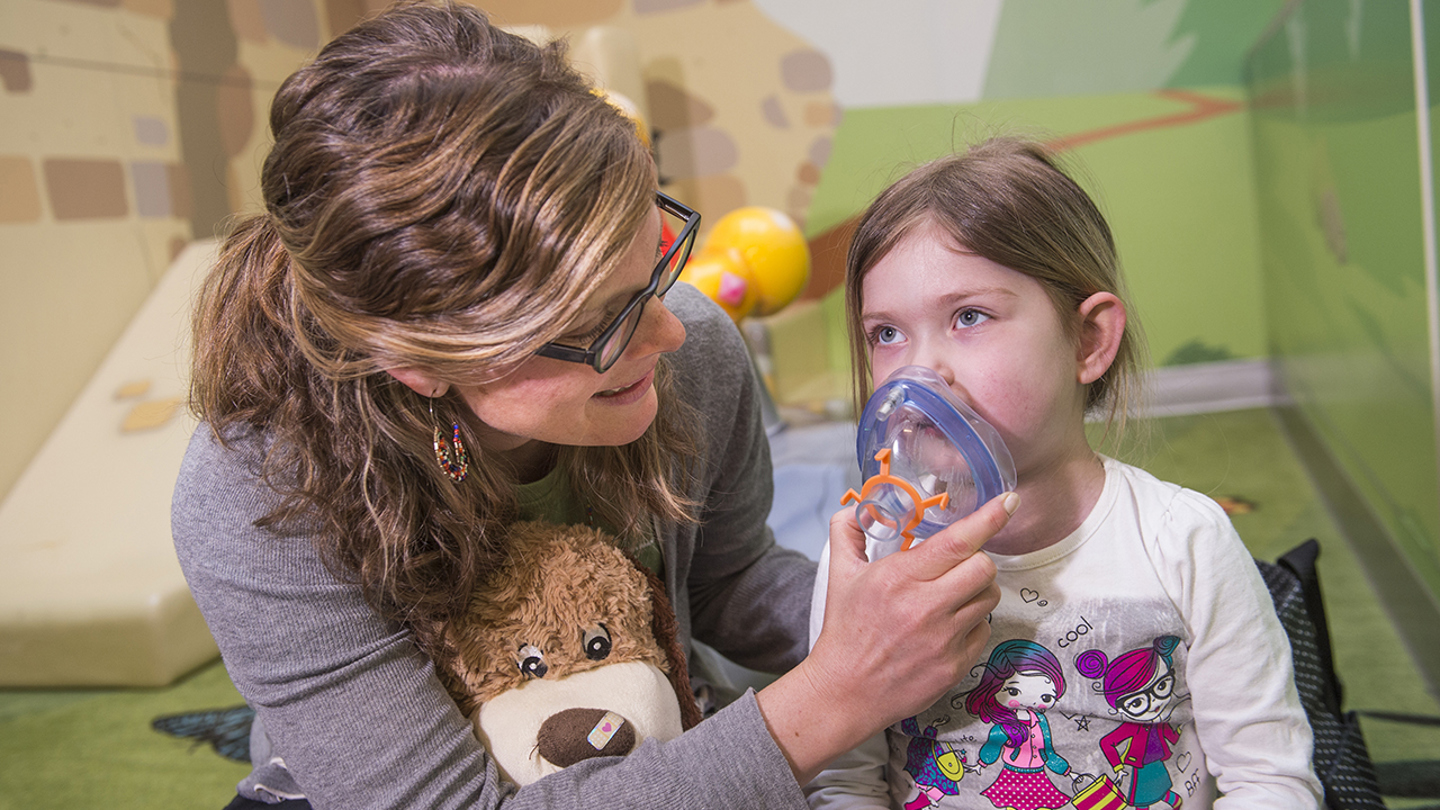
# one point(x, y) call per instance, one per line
point(419, 381)
point(1102, 324)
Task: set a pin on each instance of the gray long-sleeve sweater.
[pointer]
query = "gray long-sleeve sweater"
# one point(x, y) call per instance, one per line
point(350, 713)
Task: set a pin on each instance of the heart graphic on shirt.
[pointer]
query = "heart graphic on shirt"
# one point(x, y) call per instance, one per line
point(1183, 761)
point(1029, 595)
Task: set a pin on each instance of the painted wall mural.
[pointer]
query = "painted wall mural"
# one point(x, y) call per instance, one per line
point(132, 128)
point(742, 107)
point(139, 126)
point(1338, 177)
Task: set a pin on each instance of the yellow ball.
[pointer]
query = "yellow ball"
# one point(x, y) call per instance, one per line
point(726, 278)
point(773, 246)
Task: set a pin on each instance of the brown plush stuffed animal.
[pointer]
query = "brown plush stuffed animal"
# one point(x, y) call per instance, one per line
point(568, 651)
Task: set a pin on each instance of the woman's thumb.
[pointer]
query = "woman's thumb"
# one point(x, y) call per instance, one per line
point(961, 540)
point(847, 540)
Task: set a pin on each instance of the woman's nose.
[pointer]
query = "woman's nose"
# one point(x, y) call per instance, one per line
point(659, 330)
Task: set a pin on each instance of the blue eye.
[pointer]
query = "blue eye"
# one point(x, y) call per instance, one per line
point(970, 317)
point(884, 335)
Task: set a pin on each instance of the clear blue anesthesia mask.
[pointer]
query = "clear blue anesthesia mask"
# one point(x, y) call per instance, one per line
point(927, 460)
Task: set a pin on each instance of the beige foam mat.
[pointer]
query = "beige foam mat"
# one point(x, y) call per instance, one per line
point(90, 590)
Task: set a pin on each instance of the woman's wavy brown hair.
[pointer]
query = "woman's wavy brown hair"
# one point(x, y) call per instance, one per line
point(1008, 200)
point(441, 195)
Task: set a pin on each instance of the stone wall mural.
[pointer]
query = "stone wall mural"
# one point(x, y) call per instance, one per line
point(741, 107)
point(136, 126)
point(132, 128)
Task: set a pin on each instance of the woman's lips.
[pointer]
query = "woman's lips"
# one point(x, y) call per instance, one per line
point(629, 393)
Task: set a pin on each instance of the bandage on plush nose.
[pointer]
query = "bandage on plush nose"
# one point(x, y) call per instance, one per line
point(572, 735)
point(927, 460)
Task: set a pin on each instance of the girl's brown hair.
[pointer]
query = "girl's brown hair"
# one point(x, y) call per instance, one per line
point(441, 195)
point(1007, 200)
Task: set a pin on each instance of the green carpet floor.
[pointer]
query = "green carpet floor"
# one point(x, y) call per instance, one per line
point(1245, 455)
point(75, 750)
point(95, 748)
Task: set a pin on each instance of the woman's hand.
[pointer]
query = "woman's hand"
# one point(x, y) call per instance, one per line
point(898, 633)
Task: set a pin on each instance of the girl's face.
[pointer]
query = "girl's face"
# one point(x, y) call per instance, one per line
point(1027, 690)
point(992, 333)
point(559, 402)
point(1151, 703)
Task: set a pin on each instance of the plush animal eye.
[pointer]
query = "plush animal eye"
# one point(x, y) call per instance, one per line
point(532, 662)
point(596, 642)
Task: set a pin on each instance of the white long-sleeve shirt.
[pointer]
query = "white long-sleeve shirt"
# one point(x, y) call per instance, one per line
point(1152, 561)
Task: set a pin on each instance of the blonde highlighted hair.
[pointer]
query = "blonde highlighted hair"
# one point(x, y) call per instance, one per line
point(1008, 200)
point(441, 195)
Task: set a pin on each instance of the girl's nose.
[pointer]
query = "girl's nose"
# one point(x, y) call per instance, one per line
point(927, 355)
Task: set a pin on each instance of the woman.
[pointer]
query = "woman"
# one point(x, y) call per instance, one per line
point(452, 316)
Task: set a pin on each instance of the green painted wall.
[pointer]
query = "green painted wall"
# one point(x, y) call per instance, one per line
point(1046, 48)
point(1178, 198)
point(1336, 152)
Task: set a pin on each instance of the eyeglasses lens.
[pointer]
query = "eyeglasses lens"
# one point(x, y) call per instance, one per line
point(669, 271)
point(615, 346)
point(675, 259)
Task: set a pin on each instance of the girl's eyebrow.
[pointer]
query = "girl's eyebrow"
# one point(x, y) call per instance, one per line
point(954, 298)
point(961, 296)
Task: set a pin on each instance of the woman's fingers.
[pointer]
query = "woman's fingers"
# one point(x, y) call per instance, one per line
point(959, 541)
point(847, 540)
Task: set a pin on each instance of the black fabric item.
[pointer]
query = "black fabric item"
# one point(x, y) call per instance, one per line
point(1342, 760)
point(242, 803)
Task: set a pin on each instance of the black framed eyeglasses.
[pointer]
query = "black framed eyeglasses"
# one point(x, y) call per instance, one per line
point(602, 353)
point(1137, 704)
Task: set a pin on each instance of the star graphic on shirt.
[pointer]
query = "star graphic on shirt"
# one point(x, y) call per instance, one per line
point(1082, 723)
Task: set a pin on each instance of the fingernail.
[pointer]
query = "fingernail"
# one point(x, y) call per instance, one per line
point(1011, 502)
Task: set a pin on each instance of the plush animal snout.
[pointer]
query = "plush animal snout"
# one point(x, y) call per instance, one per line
point(575, 734)
point(514, 726)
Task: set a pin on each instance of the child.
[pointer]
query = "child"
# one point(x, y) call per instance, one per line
point(998, 272)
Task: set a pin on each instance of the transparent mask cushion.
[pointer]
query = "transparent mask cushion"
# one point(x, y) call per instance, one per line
point(927, 460)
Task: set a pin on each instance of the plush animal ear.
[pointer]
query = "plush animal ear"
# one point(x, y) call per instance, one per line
point(667, 637)
point(452, 667)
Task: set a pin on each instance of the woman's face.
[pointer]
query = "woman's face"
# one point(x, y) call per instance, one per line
point(559, 402)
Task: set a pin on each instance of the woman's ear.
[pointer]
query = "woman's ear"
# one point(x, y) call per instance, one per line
point(419, 381)
point(1102, 324)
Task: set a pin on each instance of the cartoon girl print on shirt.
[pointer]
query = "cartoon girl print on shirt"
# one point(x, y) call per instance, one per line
point(1139, 685)
point(936, 767)
point(1019, 683)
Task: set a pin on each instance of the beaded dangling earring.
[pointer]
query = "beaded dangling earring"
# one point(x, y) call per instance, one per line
point(456, 466)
